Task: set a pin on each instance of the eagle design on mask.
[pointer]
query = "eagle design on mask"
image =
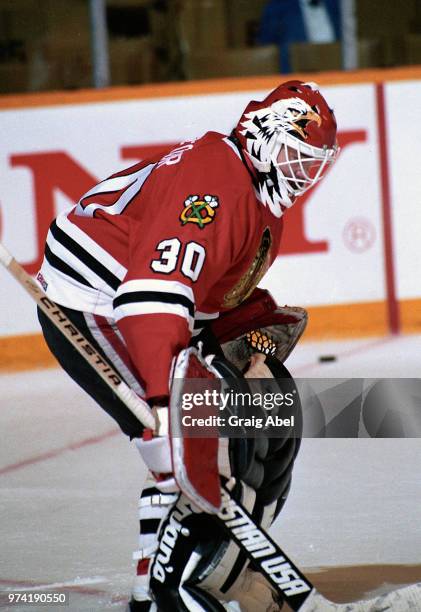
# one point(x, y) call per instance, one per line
point(292, 115)
point(262, 128)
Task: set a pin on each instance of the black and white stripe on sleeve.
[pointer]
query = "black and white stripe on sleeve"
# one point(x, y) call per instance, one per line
point(76, 255)
point(152, 296)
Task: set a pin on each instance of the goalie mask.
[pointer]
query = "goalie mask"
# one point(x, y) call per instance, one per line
point(290, 139)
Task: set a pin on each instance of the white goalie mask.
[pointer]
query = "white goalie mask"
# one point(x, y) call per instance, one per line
point(290, 140)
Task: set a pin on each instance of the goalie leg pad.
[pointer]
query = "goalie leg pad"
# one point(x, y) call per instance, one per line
point(156, 453)
point(154, 506)
point(224, 571)
point(194, 459)
point(183, 537)
point(264, 464)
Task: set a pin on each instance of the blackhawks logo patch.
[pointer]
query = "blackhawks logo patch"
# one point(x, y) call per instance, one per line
point(200, 211)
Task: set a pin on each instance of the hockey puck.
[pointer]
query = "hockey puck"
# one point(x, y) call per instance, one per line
point(327, 358)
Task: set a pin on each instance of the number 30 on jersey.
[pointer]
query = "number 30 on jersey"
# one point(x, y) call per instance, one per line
point(191, 260)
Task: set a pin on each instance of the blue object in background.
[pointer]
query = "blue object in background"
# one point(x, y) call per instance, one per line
point(282, 23)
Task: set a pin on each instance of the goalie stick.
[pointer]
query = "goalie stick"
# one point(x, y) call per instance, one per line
point(108, 374)
point(299, 593)
point(267, 557)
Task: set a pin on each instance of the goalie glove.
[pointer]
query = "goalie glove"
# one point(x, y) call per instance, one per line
point(259, 325)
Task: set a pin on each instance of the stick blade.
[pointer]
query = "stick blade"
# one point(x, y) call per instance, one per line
point(406, 599)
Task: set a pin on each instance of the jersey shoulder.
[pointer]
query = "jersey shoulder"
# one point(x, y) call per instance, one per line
point(212, 159)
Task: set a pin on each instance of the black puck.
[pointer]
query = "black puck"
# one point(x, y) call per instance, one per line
point(327, 358)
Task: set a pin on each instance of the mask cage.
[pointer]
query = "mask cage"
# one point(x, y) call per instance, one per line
point(303, 165)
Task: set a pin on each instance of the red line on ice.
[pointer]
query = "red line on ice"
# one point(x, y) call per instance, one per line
point(30, 584)
point(58, 451)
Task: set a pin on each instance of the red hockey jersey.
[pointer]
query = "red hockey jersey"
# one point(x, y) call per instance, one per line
point(162, 247)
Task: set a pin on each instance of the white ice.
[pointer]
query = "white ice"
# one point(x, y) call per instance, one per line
point(69, 482)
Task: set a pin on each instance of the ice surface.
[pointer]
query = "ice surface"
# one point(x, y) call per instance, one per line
point(69, 482)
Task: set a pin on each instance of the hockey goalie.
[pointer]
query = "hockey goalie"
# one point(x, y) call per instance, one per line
point(158, 266)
